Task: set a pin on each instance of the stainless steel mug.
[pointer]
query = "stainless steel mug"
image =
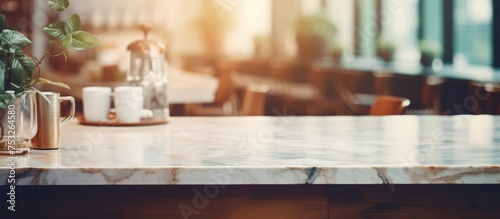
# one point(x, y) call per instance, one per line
point(49, 120)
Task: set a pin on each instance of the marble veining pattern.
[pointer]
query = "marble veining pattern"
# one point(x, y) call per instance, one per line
point(272, 150)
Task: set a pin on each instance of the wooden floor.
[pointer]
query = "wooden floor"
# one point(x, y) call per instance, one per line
point(267, 202)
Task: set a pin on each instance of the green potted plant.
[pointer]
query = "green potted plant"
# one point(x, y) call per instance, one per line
point(385, 49)
point(429, 50)
point(20, 71)
point(314, 34)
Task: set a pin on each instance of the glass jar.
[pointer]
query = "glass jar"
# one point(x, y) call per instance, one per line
point(147, 69)
point(18, 124)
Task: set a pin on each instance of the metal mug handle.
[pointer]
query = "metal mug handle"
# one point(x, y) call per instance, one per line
point(72, 112)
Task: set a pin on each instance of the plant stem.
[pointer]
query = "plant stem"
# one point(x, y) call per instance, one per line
point(3, 112)
point(38, 62)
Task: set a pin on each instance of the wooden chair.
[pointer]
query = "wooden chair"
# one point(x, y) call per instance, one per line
point(488, 96)
point(280, 69)
point(298, 95)
point(316, 96)
point(345, 83)
point(493, 102)
point(431, 98)
point(225, 103)
point(291, 71)
point(382, 81)
point(389, 105)
point(348, 82)
point(254, 99)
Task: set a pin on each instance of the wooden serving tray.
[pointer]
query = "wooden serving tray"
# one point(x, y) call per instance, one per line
point(143, 122)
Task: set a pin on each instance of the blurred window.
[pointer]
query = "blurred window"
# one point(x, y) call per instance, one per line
point(472, 31)
point(253, 20)
point(432, 20)
point(367, 29)
point(310, 6)
point(400, 23)
point(341, 13)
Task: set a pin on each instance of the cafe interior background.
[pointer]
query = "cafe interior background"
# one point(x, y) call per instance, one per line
point(367, 48)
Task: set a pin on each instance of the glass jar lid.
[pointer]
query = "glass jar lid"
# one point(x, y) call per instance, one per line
point(146, 46)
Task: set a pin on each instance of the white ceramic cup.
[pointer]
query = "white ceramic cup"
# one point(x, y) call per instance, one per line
point(96, 103)
point(128, 103)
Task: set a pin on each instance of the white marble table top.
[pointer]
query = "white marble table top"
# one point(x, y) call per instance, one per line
point(272, 150)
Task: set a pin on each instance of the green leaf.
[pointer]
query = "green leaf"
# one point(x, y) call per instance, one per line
point(3, 22)
point(58, 5)
point(13, 49)
point(56, 29)
point(83, 40)
point(52, 41)
point(22, 70)
point(18, 92)
point(3, 70)
point(73, 24)
point(42, 95)
point(5, 100)
point(47, 81)
point(68, 39)
point(14, 37)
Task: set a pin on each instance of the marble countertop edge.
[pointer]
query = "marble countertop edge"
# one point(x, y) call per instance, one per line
point(280, 175)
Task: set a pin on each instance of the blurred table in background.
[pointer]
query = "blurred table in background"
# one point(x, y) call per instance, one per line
point(183, 86)
point(408, 77)
point(279, 93)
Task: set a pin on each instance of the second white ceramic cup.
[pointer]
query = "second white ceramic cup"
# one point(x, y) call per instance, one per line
point(96, 103)
point(128, 103)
